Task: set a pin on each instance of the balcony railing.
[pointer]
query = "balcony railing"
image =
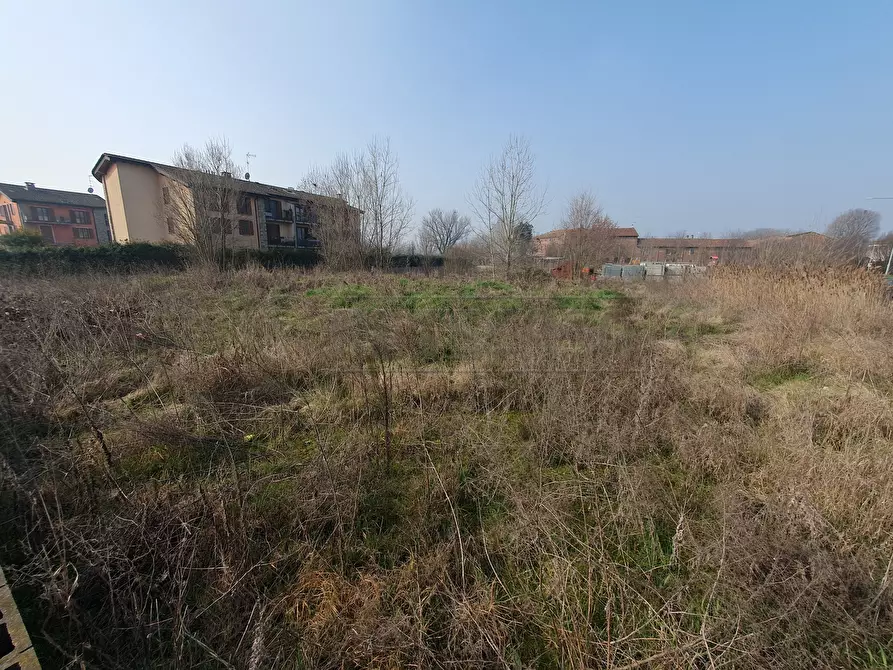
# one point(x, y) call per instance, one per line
point(290, 243)
point(288, 216)
point(27, 218)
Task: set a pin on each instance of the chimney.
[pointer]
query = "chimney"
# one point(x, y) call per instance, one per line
point(30, 185)
point(226, 174)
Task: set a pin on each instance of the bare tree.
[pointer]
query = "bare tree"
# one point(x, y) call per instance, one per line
point(200, 198)
point(792, 250)
point(369, 181)
point(339, 229)
point(588, 232)
point(388, 210)
point(441, 230)
point(758, 233)
point(851, 233)
point(425, 242)
point(506, 201)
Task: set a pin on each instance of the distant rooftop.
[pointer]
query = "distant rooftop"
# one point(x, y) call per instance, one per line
point(179, 174)
point(29, 192)
point(695, 242)
point(561, 232)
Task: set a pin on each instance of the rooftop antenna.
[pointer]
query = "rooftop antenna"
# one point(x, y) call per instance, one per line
point(248, 158)
point(90, 183)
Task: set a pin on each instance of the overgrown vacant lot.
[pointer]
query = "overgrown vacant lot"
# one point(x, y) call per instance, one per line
point(277, 470)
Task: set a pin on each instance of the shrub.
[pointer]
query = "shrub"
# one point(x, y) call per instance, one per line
point(22, 239)
point(285, 469)
point(106, 258)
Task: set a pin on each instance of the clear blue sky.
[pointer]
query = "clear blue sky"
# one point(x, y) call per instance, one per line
point(701, 116)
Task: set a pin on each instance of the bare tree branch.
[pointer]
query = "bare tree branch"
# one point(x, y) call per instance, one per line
point(852, 231)
point(506, 200)
point(368, 180)
point(388, 210)
point(588, 232)
point(340, 237)
point(441, 231)
point(201, 197)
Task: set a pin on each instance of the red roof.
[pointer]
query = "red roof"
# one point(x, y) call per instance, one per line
point(695, 243)
point(561, 232)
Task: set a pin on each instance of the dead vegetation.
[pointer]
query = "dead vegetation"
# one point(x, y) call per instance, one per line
point(277, 470)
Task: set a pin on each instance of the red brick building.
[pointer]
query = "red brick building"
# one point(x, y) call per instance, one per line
point(628, 246)
point(699, 251)
point(61, 217)
point(623, 245)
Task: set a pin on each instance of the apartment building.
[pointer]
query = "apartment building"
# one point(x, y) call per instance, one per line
point(61, 217)
point(144, 198)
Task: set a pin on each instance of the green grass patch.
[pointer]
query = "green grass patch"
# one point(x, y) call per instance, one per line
point(590, 301)
point(342, 297)
point(793, 371)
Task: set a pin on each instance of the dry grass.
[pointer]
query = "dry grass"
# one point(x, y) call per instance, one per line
point(279, 470)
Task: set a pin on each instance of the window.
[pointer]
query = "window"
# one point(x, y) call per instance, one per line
point(273, 208)
point(79, 217)
point(46, 232)
point(83, 233)
point(246, 227)
point(171, 226)
point(166, 194)
point(244, 205)
point(42, 213)
point(218, 226)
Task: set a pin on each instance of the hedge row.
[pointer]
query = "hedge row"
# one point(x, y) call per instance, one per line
point(137, 256)
point(111, 258)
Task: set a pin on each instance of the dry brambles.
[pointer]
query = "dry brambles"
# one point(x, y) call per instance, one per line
point(282, 470)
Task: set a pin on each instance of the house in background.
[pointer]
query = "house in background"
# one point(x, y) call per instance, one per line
point(628, 246)
point(696, 250)
point(141, 197)
point(61, 217)
point(551, 244)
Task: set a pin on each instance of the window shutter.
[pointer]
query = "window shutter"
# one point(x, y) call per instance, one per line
point(71, 215)
point(34, 213)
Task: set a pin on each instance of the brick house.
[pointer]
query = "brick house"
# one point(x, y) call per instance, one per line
point(550, 245)
point(61, 217)
point(699, 251)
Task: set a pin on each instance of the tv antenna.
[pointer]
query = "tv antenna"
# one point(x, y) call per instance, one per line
point(248, 158)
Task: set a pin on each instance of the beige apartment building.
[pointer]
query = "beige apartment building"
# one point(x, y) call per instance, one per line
point(141, 194)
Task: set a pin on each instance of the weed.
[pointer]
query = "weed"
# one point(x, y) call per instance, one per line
point(370, 471)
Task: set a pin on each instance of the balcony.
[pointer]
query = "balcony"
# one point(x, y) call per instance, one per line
point(27, 218)
point(288, 216)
